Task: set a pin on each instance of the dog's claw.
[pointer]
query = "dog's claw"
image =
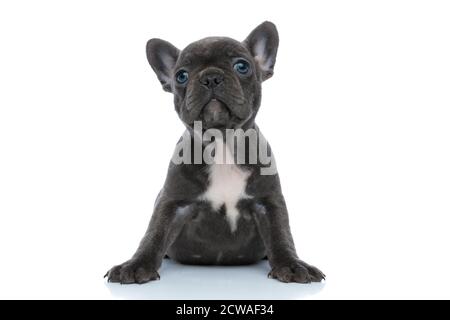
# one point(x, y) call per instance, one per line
point(132, 272)
point(298, 271)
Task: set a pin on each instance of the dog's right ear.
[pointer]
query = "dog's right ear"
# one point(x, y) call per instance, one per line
point(162, 57)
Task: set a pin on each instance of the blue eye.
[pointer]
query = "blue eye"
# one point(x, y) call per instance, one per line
point(182, 76)
point(242, 67)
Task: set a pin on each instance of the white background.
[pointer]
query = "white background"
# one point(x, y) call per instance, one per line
point(358, 114)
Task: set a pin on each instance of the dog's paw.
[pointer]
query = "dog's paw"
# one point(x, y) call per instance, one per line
point(298, 271)
point(131, 271)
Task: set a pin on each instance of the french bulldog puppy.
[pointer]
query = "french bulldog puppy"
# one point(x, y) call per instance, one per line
point(218, 213)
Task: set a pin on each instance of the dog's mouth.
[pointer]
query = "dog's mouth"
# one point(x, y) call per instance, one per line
point(215, 114)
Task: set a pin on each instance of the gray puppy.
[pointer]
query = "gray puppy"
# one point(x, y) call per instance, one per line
point(222, 214)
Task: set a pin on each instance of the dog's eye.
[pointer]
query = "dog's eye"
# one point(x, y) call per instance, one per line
point(182, 76)
point(242, 67)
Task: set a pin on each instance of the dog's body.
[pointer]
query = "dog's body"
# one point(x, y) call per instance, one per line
point(218, 213)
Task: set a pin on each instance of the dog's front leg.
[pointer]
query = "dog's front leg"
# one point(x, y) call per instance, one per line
point(272, 221)
point(166, 223)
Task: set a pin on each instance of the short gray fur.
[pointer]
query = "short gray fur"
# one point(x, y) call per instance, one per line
point(186, 228)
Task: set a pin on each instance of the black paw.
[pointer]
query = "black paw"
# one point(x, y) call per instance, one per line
point(131, 271)
point(298, 271)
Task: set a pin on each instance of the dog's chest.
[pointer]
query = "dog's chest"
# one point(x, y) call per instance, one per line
point(227, 185)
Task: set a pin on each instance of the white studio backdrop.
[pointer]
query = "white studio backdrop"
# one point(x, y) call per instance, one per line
point(357, 113)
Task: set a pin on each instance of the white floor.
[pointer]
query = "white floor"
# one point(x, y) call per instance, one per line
point(194, 282)
point(251, 282)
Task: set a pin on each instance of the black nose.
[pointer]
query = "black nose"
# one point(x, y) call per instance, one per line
point(211, 78)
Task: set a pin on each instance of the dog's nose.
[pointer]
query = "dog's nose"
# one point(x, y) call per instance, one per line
point(211, 78)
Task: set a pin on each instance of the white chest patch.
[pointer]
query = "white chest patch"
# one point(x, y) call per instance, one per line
point(227, 184)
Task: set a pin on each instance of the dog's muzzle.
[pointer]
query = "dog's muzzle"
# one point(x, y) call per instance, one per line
point(215, 114)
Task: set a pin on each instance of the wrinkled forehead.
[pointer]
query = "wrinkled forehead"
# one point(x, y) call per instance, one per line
point(212, 50)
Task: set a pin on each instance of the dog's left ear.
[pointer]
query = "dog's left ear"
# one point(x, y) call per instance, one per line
point(263, 45)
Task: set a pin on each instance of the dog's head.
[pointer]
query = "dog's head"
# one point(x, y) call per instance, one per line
point(216, 80)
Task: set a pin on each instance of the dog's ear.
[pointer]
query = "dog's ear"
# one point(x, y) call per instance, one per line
point(263, 45)
point(162, 57)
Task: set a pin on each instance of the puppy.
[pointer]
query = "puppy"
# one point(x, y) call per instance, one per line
point(221, 203)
